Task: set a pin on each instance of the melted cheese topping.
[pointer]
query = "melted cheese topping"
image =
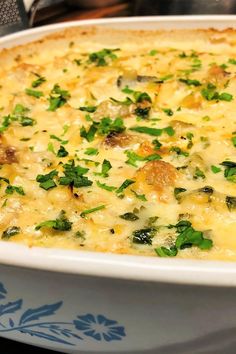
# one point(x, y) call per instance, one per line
point(157, 114)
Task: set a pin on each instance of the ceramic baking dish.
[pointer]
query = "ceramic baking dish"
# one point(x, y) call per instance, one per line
point(84, 302)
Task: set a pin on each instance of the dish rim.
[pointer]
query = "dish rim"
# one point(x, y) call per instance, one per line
point(139, 268)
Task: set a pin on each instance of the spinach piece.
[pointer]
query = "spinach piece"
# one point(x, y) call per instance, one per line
point(230, 202)
point(177, 191)
point(11, 189)
point(168, 111)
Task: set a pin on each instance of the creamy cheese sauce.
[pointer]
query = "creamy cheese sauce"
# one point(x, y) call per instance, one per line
point(149, 127)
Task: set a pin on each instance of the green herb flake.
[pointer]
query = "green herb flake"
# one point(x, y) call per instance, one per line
point(33, 93)
point(39, 81)
point(106, 166)
point(58, 97)
point(144, 236)
point(179, 151)
point(198, 174)
point(62, 152)
point(91, 151)
point(141, 197)
point(124, 185)
point(105, 186)
point(60, 224)
point(100, 57)
point(89, 211)
point(47, 181)
point(166, 252)
point(168, 111)
point(10, 231)
point(232, 61)
point(178, 191)
point(215, 169)
point(74, 176)
point(233, 139)
point(190, 82)
point(129, 216)
point(11, 189)
point(153, 131)
point(153, 52)
point(89, 109)
point(230, 202)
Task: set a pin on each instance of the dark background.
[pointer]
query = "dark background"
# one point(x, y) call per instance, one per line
point(62, 12)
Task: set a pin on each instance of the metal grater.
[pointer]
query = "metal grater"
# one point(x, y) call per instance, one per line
point(13, 16)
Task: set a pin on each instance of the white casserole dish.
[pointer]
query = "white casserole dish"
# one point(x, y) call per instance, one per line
point(84, 302)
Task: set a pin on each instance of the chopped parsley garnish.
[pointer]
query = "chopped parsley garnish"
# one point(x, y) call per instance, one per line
point(105, 186)
point(133, 158)
point(63, 142)
point(129, 216)
point(89, 211)
point(11, 189)
point(89, 109)
point(90, 133)
point(62, 152)
point(58, 97)
point(157, 144)
point(168, 111)
point(232, 61)
point(19, 114)
point(39, 81)
point(230, 202)
point(210, 93)
point(187, 237)
point(33, 93)
point(74, 176)
point(215, 169)
point(198, 174)
point(124, 185)
point(139, 196)
point(106, 166)
point(153, 131)
point(233, 139)
point(230, 170)
point(179, 151)
point(61, 223)
point(104, 127)
point(91, 151)
point(166, 252)
point(144, 236)
point(10, 231)
point(190, 82)
point(47, 181)
point(100, 57)
point(142, 112)
point(153, 52)
point(177, 191)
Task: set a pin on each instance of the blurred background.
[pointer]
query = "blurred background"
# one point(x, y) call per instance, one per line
point(20, 14)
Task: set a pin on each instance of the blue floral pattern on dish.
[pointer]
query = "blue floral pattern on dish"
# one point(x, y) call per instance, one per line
point(98, 327)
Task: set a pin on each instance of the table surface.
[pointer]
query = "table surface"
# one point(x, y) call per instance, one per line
point(61, 12)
